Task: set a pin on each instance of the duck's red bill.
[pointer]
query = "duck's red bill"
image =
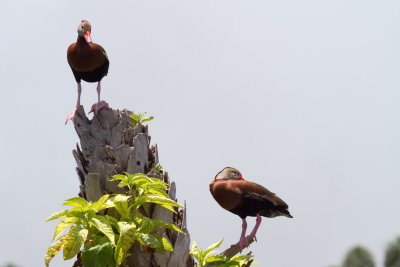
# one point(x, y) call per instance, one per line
point(241, 178)
point(87, 37)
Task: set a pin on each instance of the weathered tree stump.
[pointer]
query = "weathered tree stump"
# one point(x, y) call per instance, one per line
point(110, 145)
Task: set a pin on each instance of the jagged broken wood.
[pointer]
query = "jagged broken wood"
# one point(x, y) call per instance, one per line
point(110, 145)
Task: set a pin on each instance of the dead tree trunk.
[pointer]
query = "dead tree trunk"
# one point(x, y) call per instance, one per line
point(110, 145)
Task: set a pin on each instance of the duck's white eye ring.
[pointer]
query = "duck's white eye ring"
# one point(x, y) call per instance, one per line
point(234, 173)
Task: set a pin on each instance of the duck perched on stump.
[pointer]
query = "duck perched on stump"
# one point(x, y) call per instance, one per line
point(244, 198)
point(89, 62)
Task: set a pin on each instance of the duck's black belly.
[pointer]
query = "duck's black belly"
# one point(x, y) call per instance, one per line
point(252, 204)
point(92, 76)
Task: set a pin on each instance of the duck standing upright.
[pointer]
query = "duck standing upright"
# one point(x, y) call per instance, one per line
point(244, 198)
point(89, 62)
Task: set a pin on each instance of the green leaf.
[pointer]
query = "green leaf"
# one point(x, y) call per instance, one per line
point(139, 179)
point(172, 226)
point(74, 241)
point(158, 181)
point(75, 220)
point(121, 204)
point(53, 250)
point(137, 118)
point(156, 189)
point(61, 226)
point(104, 226)
point(163, 201)
point(211, 248)
point(123, 180)
point(194, 251)
point(112, 221)
point(204, 258)
point(119, 177)
point(77, 212)
point(157, 167)
point(216, 258)
point(58, 215)
point(224, 264)
point(160, 243)
point(76, 202)
point(166, 244)
point(101, 203)
point(241, 257)
point(158, 192)
point(99, 256)
point(127, 231)
point(147, 225)
point(148, 119)
point(147, 239)
point(162, 186)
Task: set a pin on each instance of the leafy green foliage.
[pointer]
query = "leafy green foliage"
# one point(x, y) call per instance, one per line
point(358, 257)
point(9, 265)
point(392, 257)
point(74, 239)
point(127, 237)
point(206, 259)
point(98, 256)
point(157, 168)
point(139, 118)
point(105, 240)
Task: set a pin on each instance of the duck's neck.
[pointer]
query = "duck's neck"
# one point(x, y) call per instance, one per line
point(81, 42)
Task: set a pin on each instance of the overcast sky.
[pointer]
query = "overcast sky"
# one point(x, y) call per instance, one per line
point(300, 96)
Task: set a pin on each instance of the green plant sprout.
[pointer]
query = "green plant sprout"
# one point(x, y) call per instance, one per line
point(205, 259)
point(106, 240)
point(138, 118)
point(157, 168)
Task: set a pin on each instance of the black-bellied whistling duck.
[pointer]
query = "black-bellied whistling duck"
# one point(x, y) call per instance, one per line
point(244, 198)
point(89, 62)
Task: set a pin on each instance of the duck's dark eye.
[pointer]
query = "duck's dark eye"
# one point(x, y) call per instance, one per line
point(234, 173)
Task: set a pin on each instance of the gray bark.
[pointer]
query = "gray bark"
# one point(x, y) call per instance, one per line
point(109, 145)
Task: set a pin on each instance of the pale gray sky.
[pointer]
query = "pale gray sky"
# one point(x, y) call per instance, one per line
point(300, 96)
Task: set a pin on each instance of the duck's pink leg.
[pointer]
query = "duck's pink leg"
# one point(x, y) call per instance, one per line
point(243, 241)
point(253, 233)
point(71, 116)
point(100, 104)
